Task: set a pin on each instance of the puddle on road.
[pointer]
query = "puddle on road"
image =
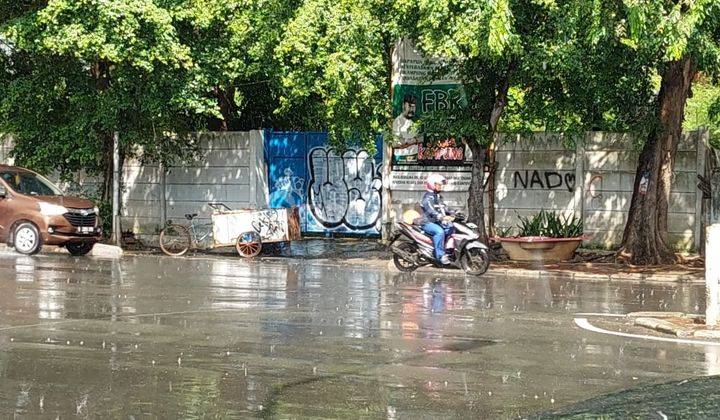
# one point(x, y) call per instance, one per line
point(162, 337)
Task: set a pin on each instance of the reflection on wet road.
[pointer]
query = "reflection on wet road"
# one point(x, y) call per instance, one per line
point(152, 336)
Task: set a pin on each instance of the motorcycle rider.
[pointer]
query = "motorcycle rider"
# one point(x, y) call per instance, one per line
point(437, 220)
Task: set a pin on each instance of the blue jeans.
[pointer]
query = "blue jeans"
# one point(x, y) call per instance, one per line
point(439, 233)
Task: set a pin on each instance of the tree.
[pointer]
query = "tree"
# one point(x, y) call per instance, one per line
point(72, 73)
point(487, 45)
point(677, 39)
point(232, 44)
point(336, 61)
point(516, 58)
point(75, 72)
point(703, 109)
point(522, 64)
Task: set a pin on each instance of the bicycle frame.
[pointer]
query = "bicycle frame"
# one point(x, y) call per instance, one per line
point(199, 237)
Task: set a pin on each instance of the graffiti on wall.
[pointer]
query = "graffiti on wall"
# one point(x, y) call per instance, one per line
point(335, 192)
point(267, 224)
point(344, 190)
point(287, 190)
point(595, 189)
point(548, 180)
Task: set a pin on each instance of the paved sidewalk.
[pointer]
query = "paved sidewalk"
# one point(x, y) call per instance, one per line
point(372, 252)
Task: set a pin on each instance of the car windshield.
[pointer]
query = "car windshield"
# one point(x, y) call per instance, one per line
point(29, 183)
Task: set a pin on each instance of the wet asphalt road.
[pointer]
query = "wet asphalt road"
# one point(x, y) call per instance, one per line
point(222, 338)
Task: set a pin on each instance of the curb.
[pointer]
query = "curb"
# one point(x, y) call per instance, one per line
point(99, 251)
point(678, 324)
point(570, 275)
point(107, 251)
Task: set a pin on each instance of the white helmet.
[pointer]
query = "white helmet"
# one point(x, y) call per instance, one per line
point(434, 179)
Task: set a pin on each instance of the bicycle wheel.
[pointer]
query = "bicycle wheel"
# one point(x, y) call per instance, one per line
point(175, 240)
point(249, 245)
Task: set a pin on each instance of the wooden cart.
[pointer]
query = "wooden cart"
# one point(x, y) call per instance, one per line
point(249, 229)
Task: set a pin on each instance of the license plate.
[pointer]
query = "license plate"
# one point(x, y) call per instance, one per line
point(86, 230)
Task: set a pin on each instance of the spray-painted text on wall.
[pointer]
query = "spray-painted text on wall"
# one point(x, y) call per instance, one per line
point(547, 180)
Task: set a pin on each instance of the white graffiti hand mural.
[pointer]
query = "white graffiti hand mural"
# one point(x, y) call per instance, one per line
point(344, 190)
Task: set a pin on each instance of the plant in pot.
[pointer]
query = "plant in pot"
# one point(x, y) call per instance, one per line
point(546, 237)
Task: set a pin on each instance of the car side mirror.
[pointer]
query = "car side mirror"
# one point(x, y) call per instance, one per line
point(3, 192)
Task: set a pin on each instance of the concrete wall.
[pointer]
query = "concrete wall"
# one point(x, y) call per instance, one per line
point(609, 164)
point(6, 146)
point(230, 170)
point(591, 176)
point(536, 172)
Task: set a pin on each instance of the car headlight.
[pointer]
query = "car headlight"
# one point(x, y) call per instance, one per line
point(47, 209)
point(96, 210)
point(472, 225)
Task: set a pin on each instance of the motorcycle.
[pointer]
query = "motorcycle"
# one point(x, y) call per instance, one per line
point(412, 248)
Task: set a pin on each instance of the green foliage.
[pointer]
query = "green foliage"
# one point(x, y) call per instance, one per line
point(74, 72)
point(551, 225)
point(703, 110)
point(504, 232)
point(232, 44)
point(669, 31)
point(566, 68)
point(335, 58)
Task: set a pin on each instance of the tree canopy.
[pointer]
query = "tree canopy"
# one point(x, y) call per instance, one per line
point(335, 61)
point(72, 73)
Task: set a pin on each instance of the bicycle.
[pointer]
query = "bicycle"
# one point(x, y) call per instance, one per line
point(176, 240)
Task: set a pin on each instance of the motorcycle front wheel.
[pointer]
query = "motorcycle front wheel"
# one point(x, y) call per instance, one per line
point(475, 261)
point(401, 263)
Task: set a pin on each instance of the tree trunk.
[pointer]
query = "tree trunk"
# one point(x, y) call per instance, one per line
point(476, 206)
point(491, 164)
point(645, 240)
point(101, 73)
point(227, 106)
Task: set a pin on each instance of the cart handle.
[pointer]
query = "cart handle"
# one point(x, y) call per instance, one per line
point(217, 206)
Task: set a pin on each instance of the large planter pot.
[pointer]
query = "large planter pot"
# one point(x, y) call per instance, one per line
point(540, 248)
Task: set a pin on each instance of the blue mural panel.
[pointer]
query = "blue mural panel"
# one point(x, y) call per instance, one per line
point(340, 192)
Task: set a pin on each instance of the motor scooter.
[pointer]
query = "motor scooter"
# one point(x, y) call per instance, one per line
point(412, 248)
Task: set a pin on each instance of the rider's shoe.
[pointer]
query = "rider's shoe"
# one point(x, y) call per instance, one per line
point(445, 260)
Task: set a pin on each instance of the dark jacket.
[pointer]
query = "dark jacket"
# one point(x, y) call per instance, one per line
point(434, 209)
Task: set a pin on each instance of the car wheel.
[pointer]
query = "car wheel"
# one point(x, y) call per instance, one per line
point(27, 239)
point(79, 249)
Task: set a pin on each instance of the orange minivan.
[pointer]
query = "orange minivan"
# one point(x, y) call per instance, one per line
point(34, 212)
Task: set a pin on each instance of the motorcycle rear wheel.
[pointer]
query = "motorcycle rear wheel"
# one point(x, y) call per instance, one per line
point(475, 261)
point(401, 263)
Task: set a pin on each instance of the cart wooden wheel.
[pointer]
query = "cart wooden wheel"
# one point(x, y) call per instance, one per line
point(249, 245)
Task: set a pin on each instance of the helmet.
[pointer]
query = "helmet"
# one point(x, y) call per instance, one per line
point(433, 179)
